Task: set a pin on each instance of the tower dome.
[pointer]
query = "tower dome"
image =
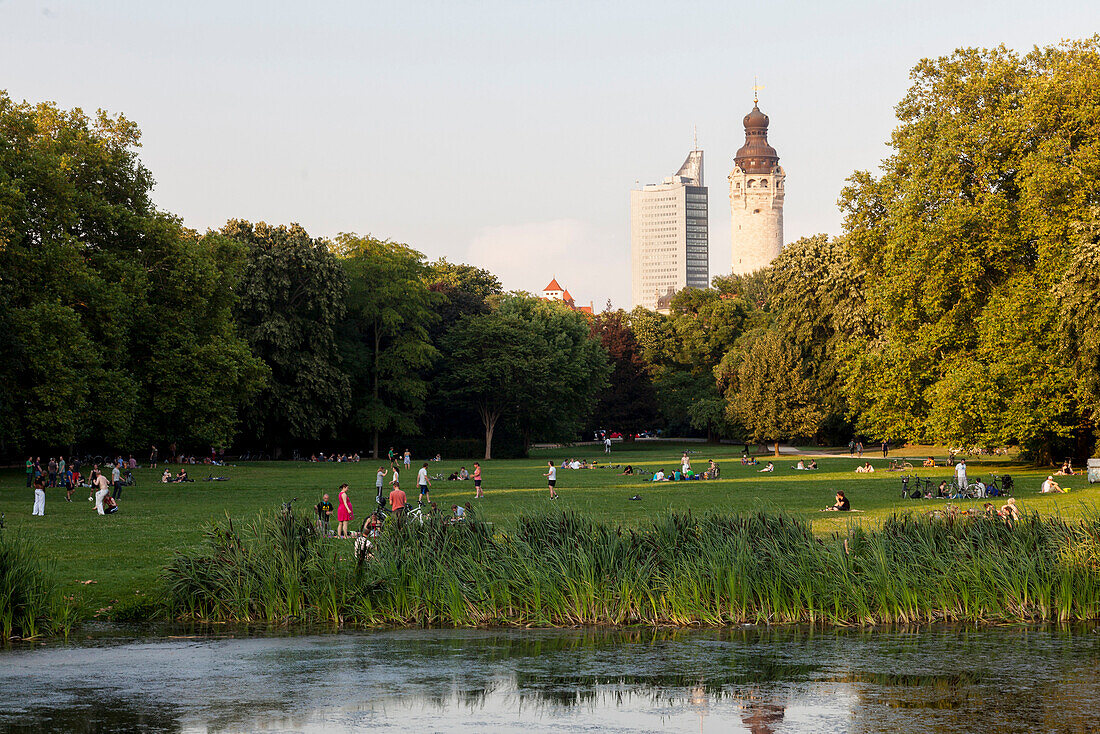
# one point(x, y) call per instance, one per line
point(756, 156)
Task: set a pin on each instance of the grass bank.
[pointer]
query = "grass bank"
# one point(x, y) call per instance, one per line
point(565, 569)
point(31, 602)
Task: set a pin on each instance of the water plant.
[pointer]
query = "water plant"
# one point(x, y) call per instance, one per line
point(564, 569)
point(31, 603)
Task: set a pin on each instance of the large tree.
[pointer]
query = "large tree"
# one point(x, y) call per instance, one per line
point(528, 359)
point(628, 403)
point(968, 230)
point(768, 392)
point(384, 337)
point(115, 320)
point(292, 294)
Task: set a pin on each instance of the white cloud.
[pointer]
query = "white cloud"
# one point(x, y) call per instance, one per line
point(593, 265)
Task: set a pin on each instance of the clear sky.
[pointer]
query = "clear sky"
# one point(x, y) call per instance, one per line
point(505, 134)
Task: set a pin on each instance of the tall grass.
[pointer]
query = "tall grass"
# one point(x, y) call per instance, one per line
point(562, 569)
point(31, 603)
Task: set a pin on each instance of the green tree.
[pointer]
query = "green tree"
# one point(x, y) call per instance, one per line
point(528, 359)
point(628, 403)
point(996, 161)
point(292, 294)
point(767, 391)
point(384, 337)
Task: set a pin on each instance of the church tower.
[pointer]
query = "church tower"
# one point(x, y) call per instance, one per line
point(756, 198)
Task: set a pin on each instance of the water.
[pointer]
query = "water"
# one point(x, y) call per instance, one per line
point(988, 680)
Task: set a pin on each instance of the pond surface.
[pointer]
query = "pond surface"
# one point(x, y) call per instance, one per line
point(791, 680)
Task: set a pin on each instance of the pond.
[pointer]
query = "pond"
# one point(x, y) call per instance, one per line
point(748, 679)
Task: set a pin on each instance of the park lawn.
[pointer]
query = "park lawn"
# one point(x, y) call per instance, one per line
point(124, 553)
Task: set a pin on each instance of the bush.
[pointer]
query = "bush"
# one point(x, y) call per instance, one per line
point(30, 602)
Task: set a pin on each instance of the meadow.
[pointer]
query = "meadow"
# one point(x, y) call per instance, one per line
point(125, 554)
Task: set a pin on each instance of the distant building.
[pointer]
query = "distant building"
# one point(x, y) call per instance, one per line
point(554, 292)
point(756, 198)
point(669, 240)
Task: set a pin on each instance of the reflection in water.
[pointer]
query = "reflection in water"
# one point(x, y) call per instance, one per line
point(510, 680)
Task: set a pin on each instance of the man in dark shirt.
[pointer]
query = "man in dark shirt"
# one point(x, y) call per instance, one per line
point(324, 512)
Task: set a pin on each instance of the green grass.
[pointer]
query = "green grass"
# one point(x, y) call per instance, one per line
point(125, 553)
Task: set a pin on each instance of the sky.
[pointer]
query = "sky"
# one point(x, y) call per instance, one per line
point(503, 134)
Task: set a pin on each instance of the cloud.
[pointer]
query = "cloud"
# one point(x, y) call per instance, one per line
point(593, 265)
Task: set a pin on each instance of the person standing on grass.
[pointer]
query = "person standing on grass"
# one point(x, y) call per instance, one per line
point(960, 475)
point(101, 487)
point(30, 472)
point(852, 447)
point(39, 497)
point(407, 459)
point(885, 448)
point(607, 445)
point(552, 479)
point(344, 513)
point(116, 480)
point(859, 449)
point(398, 503)
point(379, 480)
point(51, 469)
point(424, 483)
point(324, 514)
point(153, 457)
point(478, 493)
point(685, 463)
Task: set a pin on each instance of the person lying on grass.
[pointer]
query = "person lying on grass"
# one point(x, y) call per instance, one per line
point(842, 504)
point(769, 467)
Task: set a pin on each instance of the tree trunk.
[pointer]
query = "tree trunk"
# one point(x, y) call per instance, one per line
point(777, 448)
point(489, 420)
point(377, 342)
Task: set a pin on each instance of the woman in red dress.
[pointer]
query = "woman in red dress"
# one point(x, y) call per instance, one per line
point(343, 513)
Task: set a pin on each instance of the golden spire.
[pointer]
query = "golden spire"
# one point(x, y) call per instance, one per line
point(755, 89)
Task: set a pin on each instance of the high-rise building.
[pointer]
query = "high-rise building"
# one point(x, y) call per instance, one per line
point(670, 248)
point(756, 198)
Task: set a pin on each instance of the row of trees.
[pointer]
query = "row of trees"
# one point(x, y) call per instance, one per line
point(961, 305)
point(120, 327)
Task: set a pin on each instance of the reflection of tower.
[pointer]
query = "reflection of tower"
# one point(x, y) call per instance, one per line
point(756, 198)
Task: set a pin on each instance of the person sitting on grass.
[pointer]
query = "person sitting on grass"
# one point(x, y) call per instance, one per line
point(166, 477)
point(800, 466)
point(659, 476)
point(769, 467)
point(842, 503)
point(813, 464)
point(1009, 511)
point(458, 513)
point(989, 510)
point(865, 469)
point(110, 507)
point(372, 526)
point(627, 472)
point(677, 475)
point(463, 475)
point(1066, 470)
point(182, 476)
point(1051, 487)
point(929, 462)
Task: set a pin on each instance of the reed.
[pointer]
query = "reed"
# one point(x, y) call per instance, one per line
point(31, 603)
point(564, 569)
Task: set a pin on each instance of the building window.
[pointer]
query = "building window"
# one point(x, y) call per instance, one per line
point(751, 183)
point(755, 211)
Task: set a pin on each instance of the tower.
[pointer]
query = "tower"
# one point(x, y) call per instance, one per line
point(670, 246)
point(756, 198)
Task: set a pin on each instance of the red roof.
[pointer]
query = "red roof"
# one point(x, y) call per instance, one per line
point(553, 286)
point(567, 297)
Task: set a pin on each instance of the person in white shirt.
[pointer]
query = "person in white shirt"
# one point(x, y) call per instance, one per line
point(575, 465)
point(424, 483)
point(1051, 487)
point(685, 463)
point(552, 479)
point(379, 480)
point(607, 445)
point(769, 467)
point(960, 474)
point(659, 476)
point(39, 498)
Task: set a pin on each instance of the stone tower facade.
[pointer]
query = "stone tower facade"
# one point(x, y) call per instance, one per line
point(756, 198)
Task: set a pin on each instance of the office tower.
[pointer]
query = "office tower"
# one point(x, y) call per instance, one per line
point(668, 235)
